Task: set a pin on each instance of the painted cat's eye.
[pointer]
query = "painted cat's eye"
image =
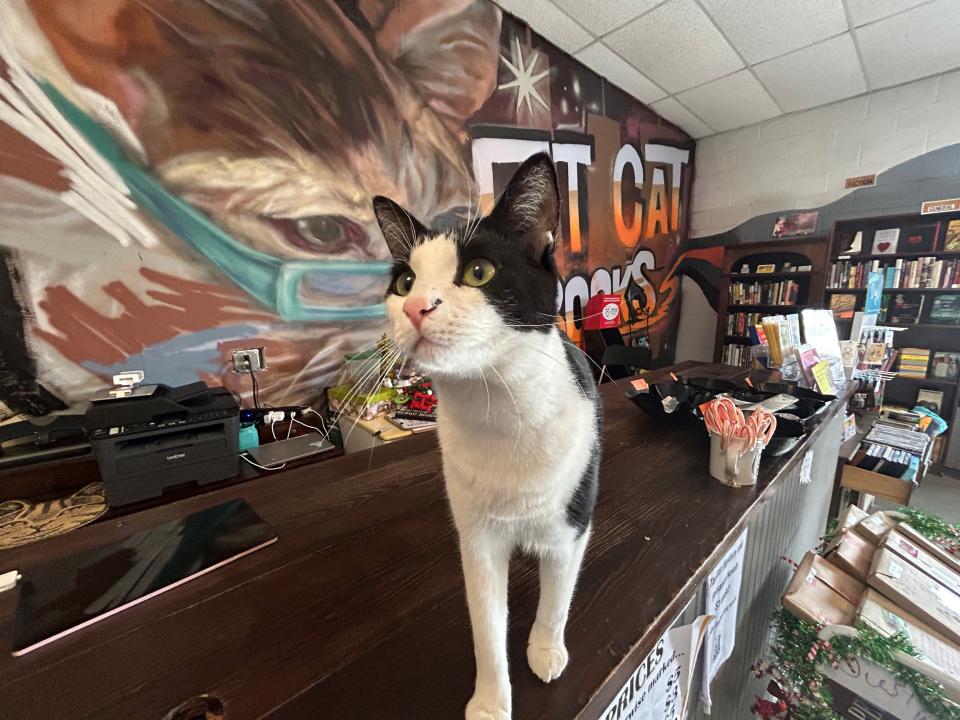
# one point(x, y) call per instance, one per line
point(404, 283)
point(478, 272)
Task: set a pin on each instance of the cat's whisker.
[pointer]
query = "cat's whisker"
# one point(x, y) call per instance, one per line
point(487, 388)
point(515, 405)
point(379, 381)
point(474, 224)
point(358, 386)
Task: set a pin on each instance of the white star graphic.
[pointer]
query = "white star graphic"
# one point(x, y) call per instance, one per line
point(524, 79)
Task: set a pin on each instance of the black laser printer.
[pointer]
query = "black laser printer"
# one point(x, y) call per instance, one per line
point(150, 438)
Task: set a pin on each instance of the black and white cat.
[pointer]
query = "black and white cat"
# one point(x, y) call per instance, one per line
point(518, 414)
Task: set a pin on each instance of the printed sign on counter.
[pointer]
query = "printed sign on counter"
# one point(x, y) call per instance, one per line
point(723, 599)
point(806, 467)
point(660, 687)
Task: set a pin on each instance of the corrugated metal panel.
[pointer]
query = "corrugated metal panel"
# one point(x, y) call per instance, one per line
point(787, 525)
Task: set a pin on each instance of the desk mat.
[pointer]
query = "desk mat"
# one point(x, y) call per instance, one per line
point(23, 522)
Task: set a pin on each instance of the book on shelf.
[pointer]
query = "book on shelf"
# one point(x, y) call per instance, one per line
point(885, 241)
point(945, 366)
point(900, 274)
point(736, 354)
point(951, 241)
point(904, 309)
point(914, 362)
point(843, 306)
point(763, 292)
point(932, 400)
point(920, 238)
point(945, 310)
point(739, 323)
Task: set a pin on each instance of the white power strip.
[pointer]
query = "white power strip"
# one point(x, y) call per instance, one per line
point(9, 580)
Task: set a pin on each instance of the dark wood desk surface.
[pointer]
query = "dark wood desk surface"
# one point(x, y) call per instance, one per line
point(358, 610)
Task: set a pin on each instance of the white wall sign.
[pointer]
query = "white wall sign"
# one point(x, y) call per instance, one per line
point(659, 688)
point(723, 598)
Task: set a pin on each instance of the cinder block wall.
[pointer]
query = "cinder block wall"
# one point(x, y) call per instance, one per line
point(801, 160)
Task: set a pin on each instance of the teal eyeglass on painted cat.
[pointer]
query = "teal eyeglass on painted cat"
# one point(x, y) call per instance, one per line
point(296, 289)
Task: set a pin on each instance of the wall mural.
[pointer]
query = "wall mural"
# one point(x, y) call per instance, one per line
point(181, 178)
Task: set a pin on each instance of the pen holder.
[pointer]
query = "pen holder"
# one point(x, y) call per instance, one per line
point(731, 467)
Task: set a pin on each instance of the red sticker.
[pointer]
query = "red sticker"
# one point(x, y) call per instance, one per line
point(904, 545)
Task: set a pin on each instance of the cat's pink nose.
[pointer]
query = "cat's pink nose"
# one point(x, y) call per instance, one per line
point(417, 308)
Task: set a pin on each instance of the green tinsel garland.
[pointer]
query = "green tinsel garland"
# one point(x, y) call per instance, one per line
point(932, 527)
point(796, 640)
point(800, 654)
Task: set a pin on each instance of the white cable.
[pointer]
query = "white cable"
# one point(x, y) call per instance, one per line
point(273, 429)
point(312, 427)
point(293, 414)
point(263, 467)
point(319, 415)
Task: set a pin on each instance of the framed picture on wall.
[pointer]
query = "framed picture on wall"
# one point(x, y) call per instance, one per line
point(796, 224)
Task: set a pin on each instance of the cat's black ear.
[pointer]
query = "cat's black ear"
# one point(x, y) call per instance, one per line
point(530, 205)
point(400, 228)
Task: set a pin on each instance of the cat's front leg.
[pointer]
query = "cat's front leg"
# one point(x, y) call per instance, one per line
point(486, 562)
point(559, 566)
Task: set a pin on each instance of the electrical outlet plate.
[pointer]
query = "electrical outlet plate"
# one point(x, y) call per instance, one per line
point(250, 359)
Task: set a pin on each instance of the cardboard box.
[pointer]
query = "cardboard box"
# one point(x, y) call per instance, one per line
point(921, 559)
point(916, 592)
point(888, 619)
point(852, 554)
point(874, 528)
point(851, 516)
point(951, 561)
point(822, 594)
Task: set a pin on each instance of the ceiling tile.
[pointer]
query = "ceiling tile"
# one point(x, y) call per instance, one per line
point(916, 43)
point(543, 16)
point(866, 11)
point(762, 29)
point(730, 102)
point(604, 61)
point(676, 113)
point(602, 16)
point(676, 45)
point(814, 76)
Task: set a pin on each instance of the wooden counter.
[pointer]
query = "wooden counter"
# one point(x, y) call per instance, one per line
point(358, 610)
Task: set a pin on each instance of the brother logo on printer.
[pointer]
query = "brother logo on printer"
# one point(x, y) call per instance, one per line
point(176, 456)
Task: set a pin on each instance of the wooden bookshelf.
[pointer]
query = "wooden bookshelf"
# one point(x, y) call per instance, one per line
point(796, 251)
point(933, 336)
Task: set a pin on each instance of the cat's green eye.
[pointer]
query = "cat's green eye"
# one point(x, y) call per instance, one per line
point(478, 272)
point(404, 283)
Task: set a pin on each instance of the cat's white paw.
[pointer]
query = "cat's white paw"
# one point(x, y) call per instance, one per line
point(547, 661)
point(487, 706)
